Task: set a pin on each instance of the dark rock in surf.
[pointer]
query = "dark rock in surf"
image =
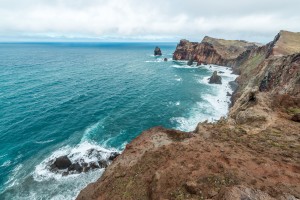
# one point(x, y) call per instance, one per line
point(157, 51)
point(215, 78)
point(75, 167)
point(190, 62)
point(102, 164)
point(165, 59)
point(94, 165)
point(62, 162)
point(113, 155)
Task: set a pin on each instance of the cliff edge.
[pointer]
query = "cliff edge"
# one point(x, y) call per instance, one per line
point(252, 154)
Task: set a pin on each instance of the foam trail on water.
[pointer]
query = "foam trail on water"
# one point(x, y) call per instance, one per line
point(216, 102)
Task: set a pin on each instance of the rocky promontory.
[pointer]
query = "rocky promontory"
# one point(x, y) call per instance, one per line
point(254, 153)
point(212, 50)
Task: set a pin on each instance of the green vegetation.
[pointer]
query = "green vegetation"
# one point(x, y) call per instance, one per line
point(293, 110)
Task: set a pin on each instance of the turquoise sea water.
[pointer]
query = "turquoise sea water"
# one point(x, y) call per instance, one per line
point(57, 98)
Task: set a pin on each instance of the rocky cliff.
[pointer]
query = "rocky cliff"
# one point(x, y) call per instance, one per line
point(252, 154)
point(211, 50)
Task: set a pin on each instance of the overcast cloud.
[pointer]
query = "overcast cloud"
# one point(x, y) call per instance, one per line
point(140, 20)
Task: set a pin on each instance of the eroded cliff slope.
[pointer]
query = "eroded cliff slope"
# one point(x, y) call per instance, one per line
point(252, 154)
point(212, 50)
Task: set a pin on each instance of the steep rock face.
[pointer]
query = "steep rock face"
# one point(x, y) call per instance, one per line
point(285, 43)
point(253, 154)
point(211, 50)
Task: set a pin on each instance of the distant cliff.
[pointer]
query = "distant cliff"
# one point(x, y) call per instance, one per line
point(252, 154)
point(211, 50)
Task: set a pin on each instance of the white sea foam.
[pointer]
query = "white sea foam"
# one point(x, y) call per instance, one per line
point(215, 104)
point(12, 179)
point(6, 163)
point(83, 152)
point(158, 60)
point(178, 79)
point(185, 66)
point(44, 142)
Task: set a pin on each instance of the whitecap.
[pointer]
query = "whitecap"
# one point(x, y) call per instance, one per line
point(44, 142)
point(6, 163)
point(12, 179)
point(215, 104)
point(185, 66)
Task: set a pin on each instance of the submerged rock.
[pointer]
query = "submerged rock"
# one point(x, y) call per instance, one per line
point(215, 78)
point(165, 59)
point(157, 51)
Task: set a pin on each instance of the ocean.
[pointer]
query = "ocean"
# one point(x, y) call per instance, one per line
point(66, 98)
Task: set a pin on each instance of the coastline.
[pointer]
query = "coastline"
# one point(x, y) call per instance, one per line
point(226, 159)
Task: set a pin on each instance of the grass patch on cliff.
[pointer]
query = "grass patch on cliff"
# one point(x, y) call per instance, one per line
point(293, 110)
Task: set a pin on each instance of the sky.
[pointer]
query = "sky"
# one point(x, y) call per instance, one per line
point(145, 20)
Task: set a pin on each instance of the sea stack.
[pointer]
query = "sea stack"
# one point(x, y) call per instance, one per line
point(157, 51)
point(215, 78)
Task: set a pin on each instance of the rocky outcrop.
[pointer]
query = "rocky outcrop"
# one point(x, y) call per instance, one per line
point(211, 50)
point(157, 51)
point(215, 78)
point(252, 154)
point(62, 162)
point(64, 165)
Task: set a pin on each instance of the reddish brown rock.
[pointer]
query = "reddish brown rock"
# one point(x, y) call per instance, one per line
point(252, 154)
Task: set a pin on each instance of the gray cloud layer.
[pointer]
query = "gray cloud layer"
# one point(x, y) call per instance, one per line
point(256, 20)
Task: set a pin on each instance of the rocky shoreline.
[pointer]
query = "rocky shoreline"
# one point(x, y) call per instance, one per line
point(252, 154)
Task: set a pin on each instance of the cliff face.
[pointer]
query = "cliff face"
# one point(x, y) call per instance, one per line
point(252, 154)
point(211, 50)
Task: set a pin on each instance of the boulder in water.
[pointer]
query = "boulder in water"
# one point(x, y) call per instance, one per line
point(165, 59)
point(215, 78)
point(157, 51)
point(62, 162)
point(75, 167)
point(113, 155)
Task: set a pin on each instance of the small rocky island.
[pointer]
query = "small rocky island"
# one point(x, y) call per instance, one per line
point(215, 78)
point(252, 154)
